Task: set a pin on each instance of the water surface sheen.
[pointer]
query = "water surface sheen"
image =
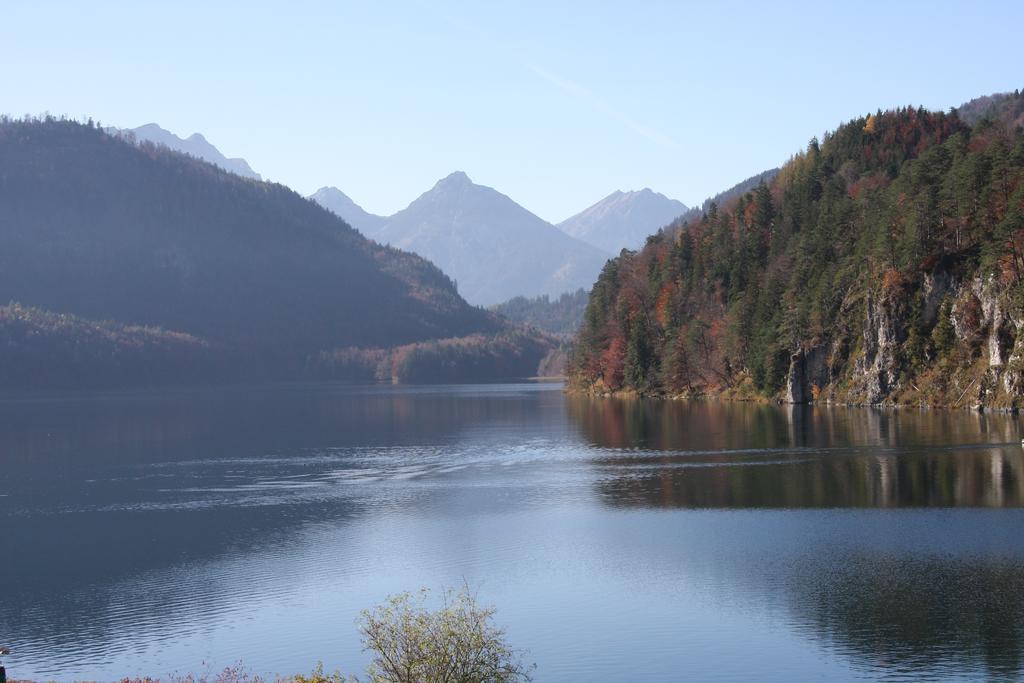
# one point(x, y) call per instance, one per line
point(152, 533)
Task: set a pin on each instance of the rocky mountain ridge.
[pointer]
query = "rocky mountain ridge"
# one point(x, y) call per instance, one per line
point(623, 220)
point(195, 145)
point(490, 245)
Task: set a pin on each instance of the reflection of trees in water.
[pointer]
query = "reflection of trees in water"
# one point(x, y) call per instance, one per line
point(668, 425)
point(919, 613)
point(976, 478)
point(716, 425)
point(717, 454)
point(943, 616)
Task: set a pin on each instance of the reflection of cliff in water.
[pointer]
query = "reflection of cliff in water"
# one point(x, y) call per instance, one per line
point(718, 454)
point(935, 593)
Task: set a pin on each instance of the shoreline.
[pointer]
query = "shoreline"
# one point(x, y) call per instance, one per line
point(661, 396)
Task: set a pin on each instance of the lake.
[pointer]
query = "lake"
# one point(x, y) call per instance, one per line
point(156, 532)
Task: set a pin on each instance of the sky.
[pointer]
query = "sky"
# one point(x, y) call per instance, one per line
point(555, 104)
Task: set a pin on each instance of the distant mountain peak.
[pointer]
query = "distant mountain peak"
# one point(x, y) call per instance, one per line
point(195, 144)
point(642, 192)
point(341, 205)
point(330, 189)
point(493, 247)
point(623, 219)
point(456, 179)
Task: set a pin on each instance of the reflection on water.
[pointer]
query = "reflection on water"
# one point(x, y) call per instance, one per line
point(936, 614)
point(619, 539)
point(950, 607)
point(714, 454)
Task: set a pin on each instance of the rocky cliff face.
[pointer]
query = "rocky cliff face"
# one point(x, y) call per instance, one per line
point(883, 265)
point(884, 332)
point(809, 373)
point(999, 332)
point(985, 367)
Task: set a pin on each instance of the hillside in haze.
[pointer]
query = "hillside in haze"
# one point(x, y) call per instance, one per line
point(492, 247)
point(559, 316)
point(884, 264)
point(727, 196)
point(623, 220)
point(339, 203)
point(175, 254)
point(195, 144)
point(1008, 105)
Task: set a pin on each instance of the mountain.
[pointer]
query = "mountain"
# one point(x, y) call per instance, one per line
point(95, 227)
point(623, 219)
point(492, 247)
point(195, 144)
point(882, 265)
point(338, 203)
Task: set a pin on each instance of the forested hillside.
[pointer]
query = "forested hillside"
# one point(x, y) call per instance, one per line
point(47, 350)
point(517, 352)
point(883, 264)
point(559, 316)
point(94, 227)
point(728, 196)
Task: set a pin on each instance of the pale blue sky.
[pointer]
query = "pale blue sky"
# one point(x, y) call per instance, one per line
point(554, 104)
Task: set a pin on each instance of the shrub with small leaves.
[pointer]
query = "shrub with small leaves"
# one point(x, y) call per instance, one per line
point(457, 642)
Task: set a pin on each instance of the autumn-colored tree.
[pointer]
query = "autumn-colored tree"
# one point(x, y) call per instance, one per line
point(866, 213)
point(870, 124)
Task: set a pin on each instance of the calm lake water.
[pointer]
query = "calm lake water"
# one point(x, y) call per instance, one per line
point(152, 533)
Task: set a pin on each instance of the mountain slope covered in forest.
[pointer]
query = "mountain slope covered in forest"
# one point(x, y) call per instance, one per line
point(1007, 107)
point(555, 315)
point(881, 265)
point(101, 229)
